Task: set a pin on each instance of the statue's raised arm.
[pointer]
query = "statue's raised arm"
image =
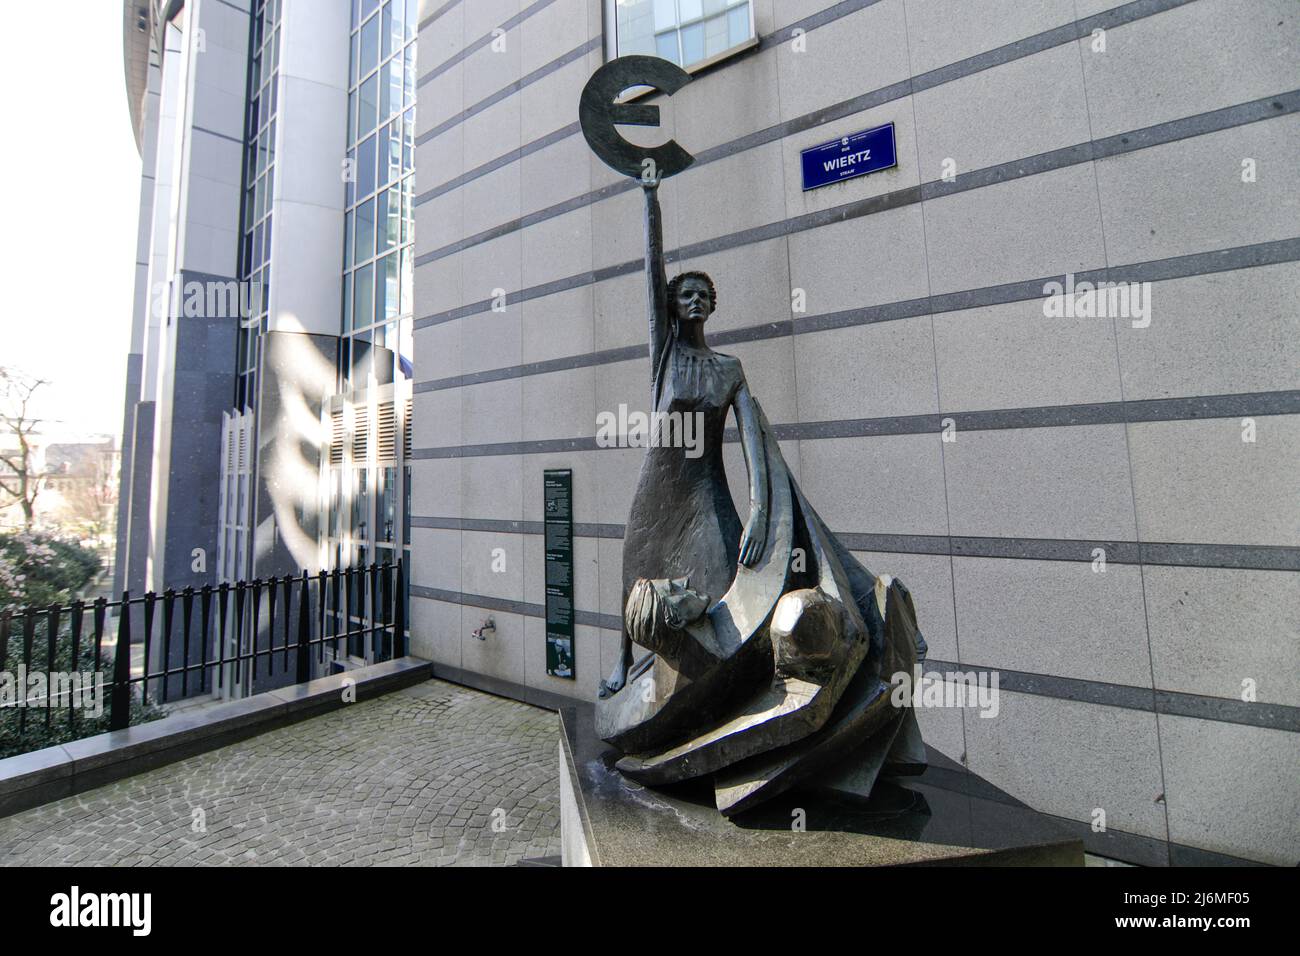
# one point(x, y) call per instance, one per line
point(600, 111)
point(656, 288)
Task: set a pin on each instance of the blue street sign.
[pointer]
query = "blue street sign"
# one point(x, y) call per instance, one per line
point(856, 155)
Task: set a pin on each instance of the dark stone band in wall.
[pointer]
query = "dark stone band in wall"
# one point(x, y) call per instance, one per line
point(1218, 709)
point(1200, 124)
point(1160, 270)
point(442, 10)
point(1279, 106)
point(472, 48)
point(505, 159)
point(542, 71)
point(1191, 408)
point(1239, 557)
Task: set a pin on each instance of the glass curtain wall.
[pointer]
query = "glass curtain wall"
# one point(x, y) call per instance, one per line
point(378, 236)
point(368, 487)
point(259, 184)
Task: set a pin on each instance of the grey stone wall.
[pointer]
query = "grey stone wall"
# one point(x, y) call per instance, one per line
point(195, 388)
point(1122, 689)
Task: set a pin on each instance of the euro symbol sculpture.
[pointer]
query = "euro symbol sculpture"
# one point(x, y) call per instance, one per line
point(599, 114)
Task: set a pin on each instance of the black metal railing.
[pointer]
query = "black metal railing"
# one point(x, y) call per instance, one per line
point(214, 638)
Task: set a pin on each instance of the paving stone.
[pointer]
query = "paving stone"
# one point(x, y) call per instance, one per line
point(408, 779)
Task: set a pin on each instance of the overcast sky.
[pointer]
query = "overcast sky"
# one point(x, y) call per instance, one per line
point(74, 181)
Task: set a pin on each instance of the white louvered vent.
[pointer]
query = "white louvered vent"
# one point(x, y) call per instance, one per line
point(386, 432)
point(336, 436)
point(408, 429)
point(360, 436)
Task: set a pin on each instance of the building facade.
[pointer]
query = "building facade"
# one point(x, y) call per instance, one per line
point(268, 389)
point(1092, 496)
point(1096, 529)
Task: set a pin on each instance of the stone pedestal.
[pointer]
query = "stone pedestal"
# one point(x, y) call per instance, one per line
point(944, 816)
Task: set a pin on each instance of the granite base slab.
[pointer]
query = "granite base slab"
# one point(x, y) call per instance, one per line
point(944, 816)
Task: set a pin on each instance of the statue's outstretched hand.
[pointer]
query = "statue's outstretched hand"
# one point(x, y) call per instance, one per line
point(755, 536)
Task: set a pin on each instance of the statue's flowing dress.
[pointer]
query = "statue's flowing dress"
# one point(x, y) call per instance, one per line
point(683, 522)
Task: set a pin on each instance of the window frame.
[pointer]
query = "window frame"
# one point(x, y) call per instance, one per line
point(610, 8)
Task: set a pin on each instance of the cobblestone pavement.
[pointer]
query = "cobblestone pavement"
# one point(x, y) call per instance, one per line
point(417, 777)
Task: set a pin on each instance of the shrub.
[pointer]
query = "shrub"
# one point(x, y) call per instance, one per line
point(38, 569)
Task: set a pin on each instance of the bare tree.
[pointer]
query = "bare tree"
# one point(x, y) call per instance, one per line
point(20, 480)
point(89, 493)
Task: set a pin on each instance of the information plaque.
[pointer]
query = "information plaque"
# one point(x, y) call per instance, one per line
point(557, 485)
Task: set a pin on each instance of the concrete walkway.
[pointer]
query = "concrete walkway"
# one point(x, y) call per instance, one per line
point(432, 775)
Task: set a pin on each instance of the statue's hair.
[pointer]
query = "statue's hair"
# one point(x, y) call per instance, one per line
point(675, 283)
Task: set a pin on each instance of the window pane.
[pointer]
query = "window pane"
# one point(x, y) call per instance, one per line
point(390, 212)
point(388, 506)
point(386, 33)
point(408, 141)
point(350, 186)
point(665, 14)
point(347, 240)
point(408, 233)
point(399, 23)
point(394, 71)
point(405, 303)
point(368, 106)
point(693, 44)
point(738, 25)
point(363, 292)
point(369, 45)
point(381, 157)
point(666, 46)
point(636, 27)
point(366, 166)
point(386, 285)
point(686, 32)
point(347, 301)
point(365, 247)
point(408, 79)
point(715, 36)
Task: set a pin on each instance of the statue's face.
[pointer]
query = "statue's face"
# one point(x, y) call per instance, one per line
point(694, 301)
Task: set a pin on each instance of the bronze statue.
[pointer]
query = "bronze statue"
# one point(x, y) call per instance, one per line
point(771, 648)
